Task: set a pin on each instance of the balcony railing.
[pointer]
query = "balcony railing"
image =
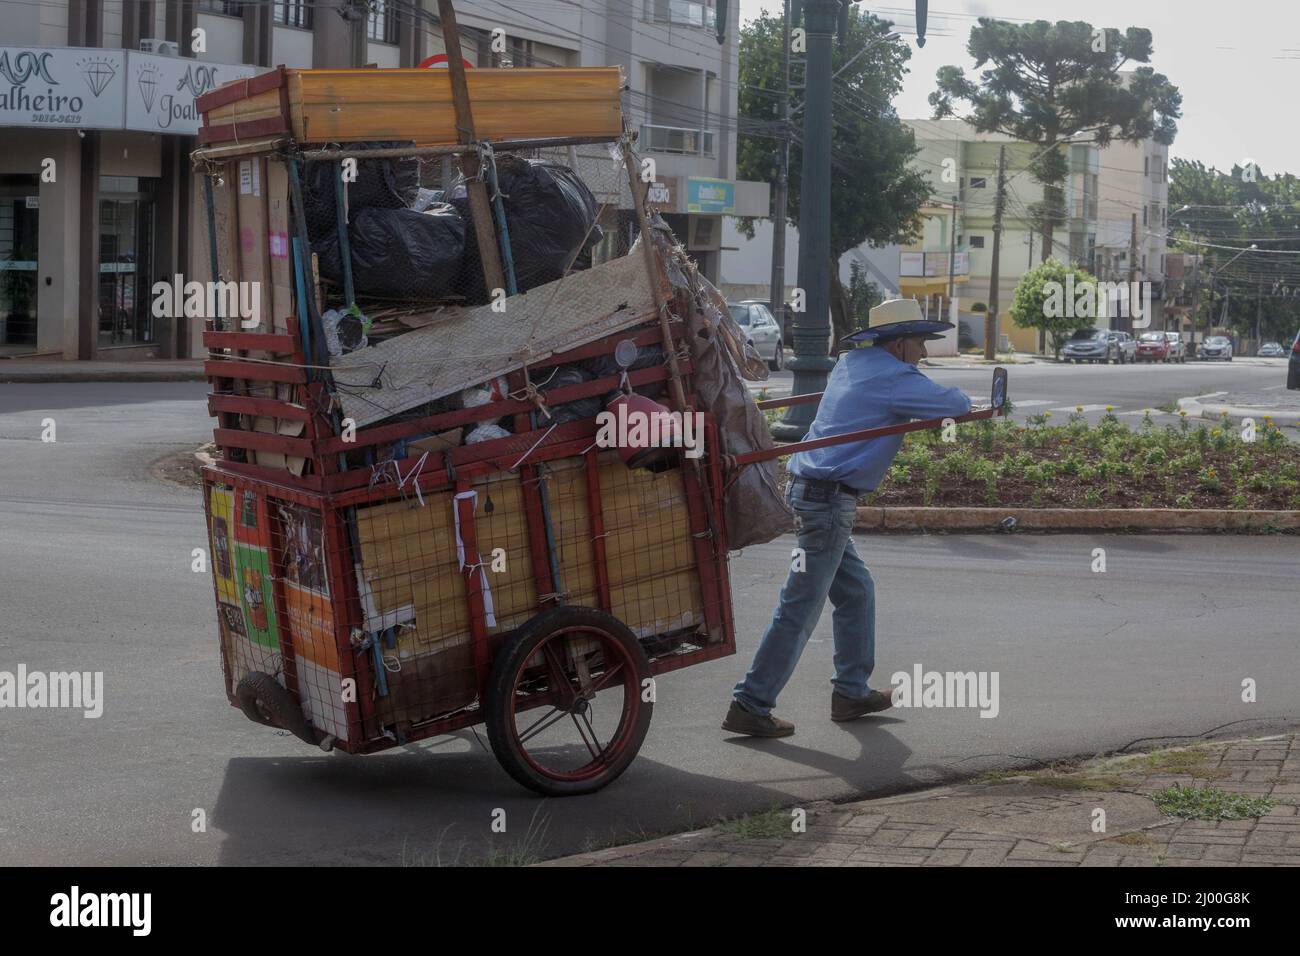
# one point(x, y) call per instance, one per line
point(675, 139)
point(680, 12)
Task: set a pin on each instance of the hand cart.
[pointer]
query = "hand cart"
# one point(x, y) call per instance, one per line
point(374, 587)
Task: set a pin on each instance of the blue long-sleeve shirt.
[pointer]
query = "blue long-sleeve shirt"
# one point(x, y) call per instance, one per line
point(870, 388)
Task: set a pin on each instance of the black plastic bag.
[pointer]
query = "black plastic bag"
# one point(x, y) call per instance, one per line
point(400, 253)
point(550, 215)
point(380, 184)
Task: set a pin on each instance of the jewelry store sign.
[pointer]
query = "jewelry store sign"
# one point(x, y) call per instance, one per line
point(93, 88)
point(68, 87)
point(161, 90)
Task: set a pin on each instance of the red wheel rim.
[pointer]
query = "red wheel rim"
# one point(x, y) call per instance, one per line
point(573, 704)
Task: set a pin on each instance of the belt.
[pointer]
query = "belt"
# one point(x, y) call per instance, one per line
point(826, 486)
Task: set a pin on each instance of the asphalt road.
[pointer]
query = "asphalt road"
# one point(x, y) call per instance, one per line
point(96, 562)
point(1132, 389)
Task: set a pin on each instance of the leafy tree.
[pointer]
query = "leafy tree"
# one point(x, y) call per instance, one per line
point(1043, 301)
point(864, 296)
point(875, 196)
point(1049, 82)
point(1216, 215)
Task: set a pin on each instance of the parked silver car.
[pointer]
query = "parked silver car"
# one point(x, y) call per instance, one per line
point(1271, 350)
point(760, 327)
point(1177, 347)
point(1216, 347)
point(1096, 345)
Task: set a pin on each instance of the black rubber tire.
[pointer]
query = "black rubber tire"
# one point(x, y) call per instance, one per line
point(778, 360)
point(264, 701)
point(499, 711)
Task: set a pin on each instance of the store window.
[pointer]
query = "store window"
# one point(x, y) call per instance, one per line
point(293, 13)
point(382, 25)
point(230, 8)
point(19, 233)
point(126, 255)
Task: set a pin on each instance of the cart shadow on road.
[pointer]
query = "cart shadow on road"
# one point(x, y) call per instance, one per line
point(435, 804)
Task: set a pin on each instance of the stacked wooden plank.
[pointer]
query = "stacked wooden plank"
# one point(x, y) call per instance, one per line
point(328, 106)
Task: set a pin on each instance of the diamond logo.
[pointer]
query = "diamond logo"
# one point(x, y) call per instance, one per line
point(98, 71)
point(148, 83)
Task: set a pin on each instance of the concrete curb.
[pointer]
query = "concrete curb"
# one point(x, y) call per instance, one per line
point(1075, 519)
point(1202, 406)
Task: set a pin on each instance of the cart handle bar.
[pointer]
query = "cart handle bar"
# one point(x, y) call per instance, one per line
point(865, 434)
point(997, 406)
point(792, 400)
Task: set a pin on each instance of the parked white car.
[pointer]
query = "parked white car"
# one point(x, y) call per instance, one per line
point(761, 328)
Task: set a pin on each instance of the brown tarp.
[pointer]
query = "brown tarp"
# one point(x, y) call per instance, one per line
point(754, 510)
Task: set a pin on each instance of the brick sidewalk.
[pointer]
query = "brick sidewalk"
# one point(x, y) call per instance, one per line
point(1043, 818)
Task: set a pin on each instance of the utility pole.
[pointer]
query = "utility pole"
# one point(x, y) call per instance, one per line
point(1132, 276)
point(952, 247)
point(776, 292)
point(812, 327)
point(991, 319)
point(1259, 309)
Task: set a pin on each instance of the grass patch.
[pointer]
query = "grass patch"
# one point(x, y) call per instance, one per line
point(1003, 776)
point(1082, 782)
point(1133, 838)
point(1209, 803)
point(759, 826)
point(1189, 761)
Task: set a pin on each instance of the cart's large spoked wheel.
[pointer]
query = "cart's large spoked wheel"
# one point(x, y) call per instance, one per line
point(565, 707)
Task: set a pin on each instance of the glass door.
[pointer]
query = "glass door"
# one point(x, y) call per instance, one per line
point(19, 236)
point(126, 246)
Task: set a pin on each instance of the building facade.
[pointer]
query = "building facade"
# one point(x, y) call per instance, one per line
point(97, 121)
point(1115, 203)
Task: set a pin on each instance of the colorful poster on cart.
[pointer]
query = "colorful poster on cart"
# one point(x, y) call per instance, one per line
point(221, 504)
point(256, 596)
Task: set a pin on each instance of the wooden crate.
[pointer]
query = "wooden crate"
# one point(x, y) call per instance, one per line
point(326, 106)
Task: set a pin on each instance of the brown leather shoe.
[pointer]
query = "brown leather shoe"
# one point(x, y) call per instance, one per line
point(850, 708)
point(741, 721)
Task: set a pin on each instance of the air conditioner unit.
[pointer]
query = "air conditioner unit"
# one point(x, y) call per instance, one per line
point(160, 47)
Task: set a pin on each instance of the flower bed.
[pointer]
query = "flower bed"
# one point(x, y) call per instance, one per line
point(1109, 465)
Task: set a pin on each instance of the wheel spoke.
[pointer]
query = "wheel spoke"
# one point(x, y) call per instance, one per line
point(596, 751)
point(534, 730)
point(604, 679)
point(561, 686)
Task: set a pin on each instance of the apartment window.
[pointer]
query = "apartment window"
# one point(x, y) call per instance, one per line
point(231, 8)
point(1164, 215)
point(1144, 215)
point(293, 13)
point(977, 242)
point(1146, 165)
point(977, 182)
point(382, 25)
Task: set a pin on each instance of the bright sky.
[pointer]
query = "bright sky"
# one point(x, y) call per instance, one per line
point(1238, 64)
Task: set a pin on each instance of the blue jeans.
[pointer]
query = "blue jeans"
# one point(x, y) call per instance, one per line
point(831, 569)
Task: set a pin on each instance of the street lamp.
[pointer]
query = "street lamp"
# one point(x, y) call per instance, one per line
point(812, 327)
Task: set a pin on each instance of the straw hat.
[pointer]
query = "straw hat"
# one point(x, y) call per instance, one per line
point(897, 318)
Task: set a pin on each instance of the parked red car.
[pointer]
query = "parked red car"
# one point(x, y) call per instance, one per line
point(1153, 347)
